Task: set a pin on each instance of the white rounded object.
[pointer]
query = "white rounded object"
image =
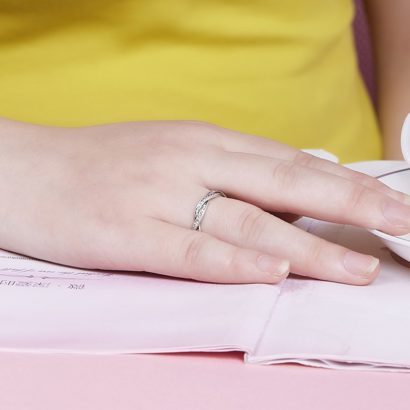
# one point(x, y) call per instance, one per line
point(405, 139)
point(399, 180)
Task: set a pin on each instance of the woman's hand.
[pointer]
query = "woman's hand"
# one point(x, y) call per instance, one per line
point(122, 197)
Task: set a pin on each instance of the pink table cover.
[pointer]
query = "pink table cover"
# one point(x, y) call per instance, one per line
point(188, 381)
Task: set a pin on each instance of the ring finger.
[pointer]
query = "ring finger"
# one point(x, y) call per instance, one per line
point(247, 226)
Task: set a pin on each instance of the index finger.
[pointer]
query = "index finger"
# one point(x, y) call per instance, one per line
point(234, 141)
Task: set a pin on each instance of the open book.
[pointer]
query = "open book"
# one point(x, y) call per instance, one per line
point(53, 308)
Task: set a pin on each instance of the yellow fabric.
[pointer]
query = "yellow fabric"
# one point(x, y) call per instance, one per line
point(283, 69)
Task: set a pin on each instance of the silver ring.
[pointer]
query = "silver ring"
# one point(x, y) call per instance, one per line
point(201, 206)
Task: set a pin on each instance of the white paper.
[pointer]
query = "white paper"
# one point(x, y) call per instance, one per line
point(340, 326)
point(317, 322)
point(47, 307)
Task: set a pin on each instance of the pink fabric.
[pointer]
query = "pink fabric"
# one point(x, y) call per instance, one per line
point(188, 381)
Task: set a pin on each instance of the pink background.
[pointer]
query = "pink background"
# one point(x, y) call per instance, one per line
point(188, 381)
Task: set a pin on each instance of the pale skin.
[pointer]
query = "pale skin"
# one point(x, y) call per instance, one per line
point(121, 196)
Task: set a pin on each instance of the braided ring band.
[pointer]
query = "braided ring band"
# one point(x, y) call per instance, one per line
point(201, 206)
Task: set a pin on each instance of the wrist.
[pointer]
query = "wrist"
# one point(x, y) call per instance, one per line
point(12, 131)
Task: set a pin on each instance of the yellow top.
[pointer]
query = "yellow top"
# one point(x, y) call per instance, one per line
point(283, 69)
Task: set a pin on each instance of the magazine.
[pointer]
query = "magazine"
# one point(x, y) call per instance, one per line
point(53, 308)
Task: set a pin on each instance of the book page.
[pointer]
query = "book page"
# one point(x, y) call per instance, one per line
point(47, 307)
point(334, 325)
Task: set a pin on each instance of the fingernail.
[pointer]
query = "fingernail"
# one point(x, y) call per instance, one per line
point(359, 264)
point(397, 214)
point(272, 265)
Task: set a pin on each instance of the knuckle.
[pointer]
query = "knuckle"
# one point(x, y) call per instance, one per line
point(192, 251)
point(285, 175)
point(314, 254)
point(200, 123)
point(231, 265)
point(305, 159)
point(356, 197)
point(196, 131)
point(250, 224)
point(365, 180)
point(191, 125)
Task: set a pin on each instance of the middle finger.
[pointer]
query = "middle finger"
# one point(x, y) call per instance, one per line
point(247, 226)
point(283, 186)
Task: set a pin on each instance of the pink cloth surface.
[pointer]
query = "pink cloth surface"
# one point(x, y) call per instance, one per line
point(188, 381)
